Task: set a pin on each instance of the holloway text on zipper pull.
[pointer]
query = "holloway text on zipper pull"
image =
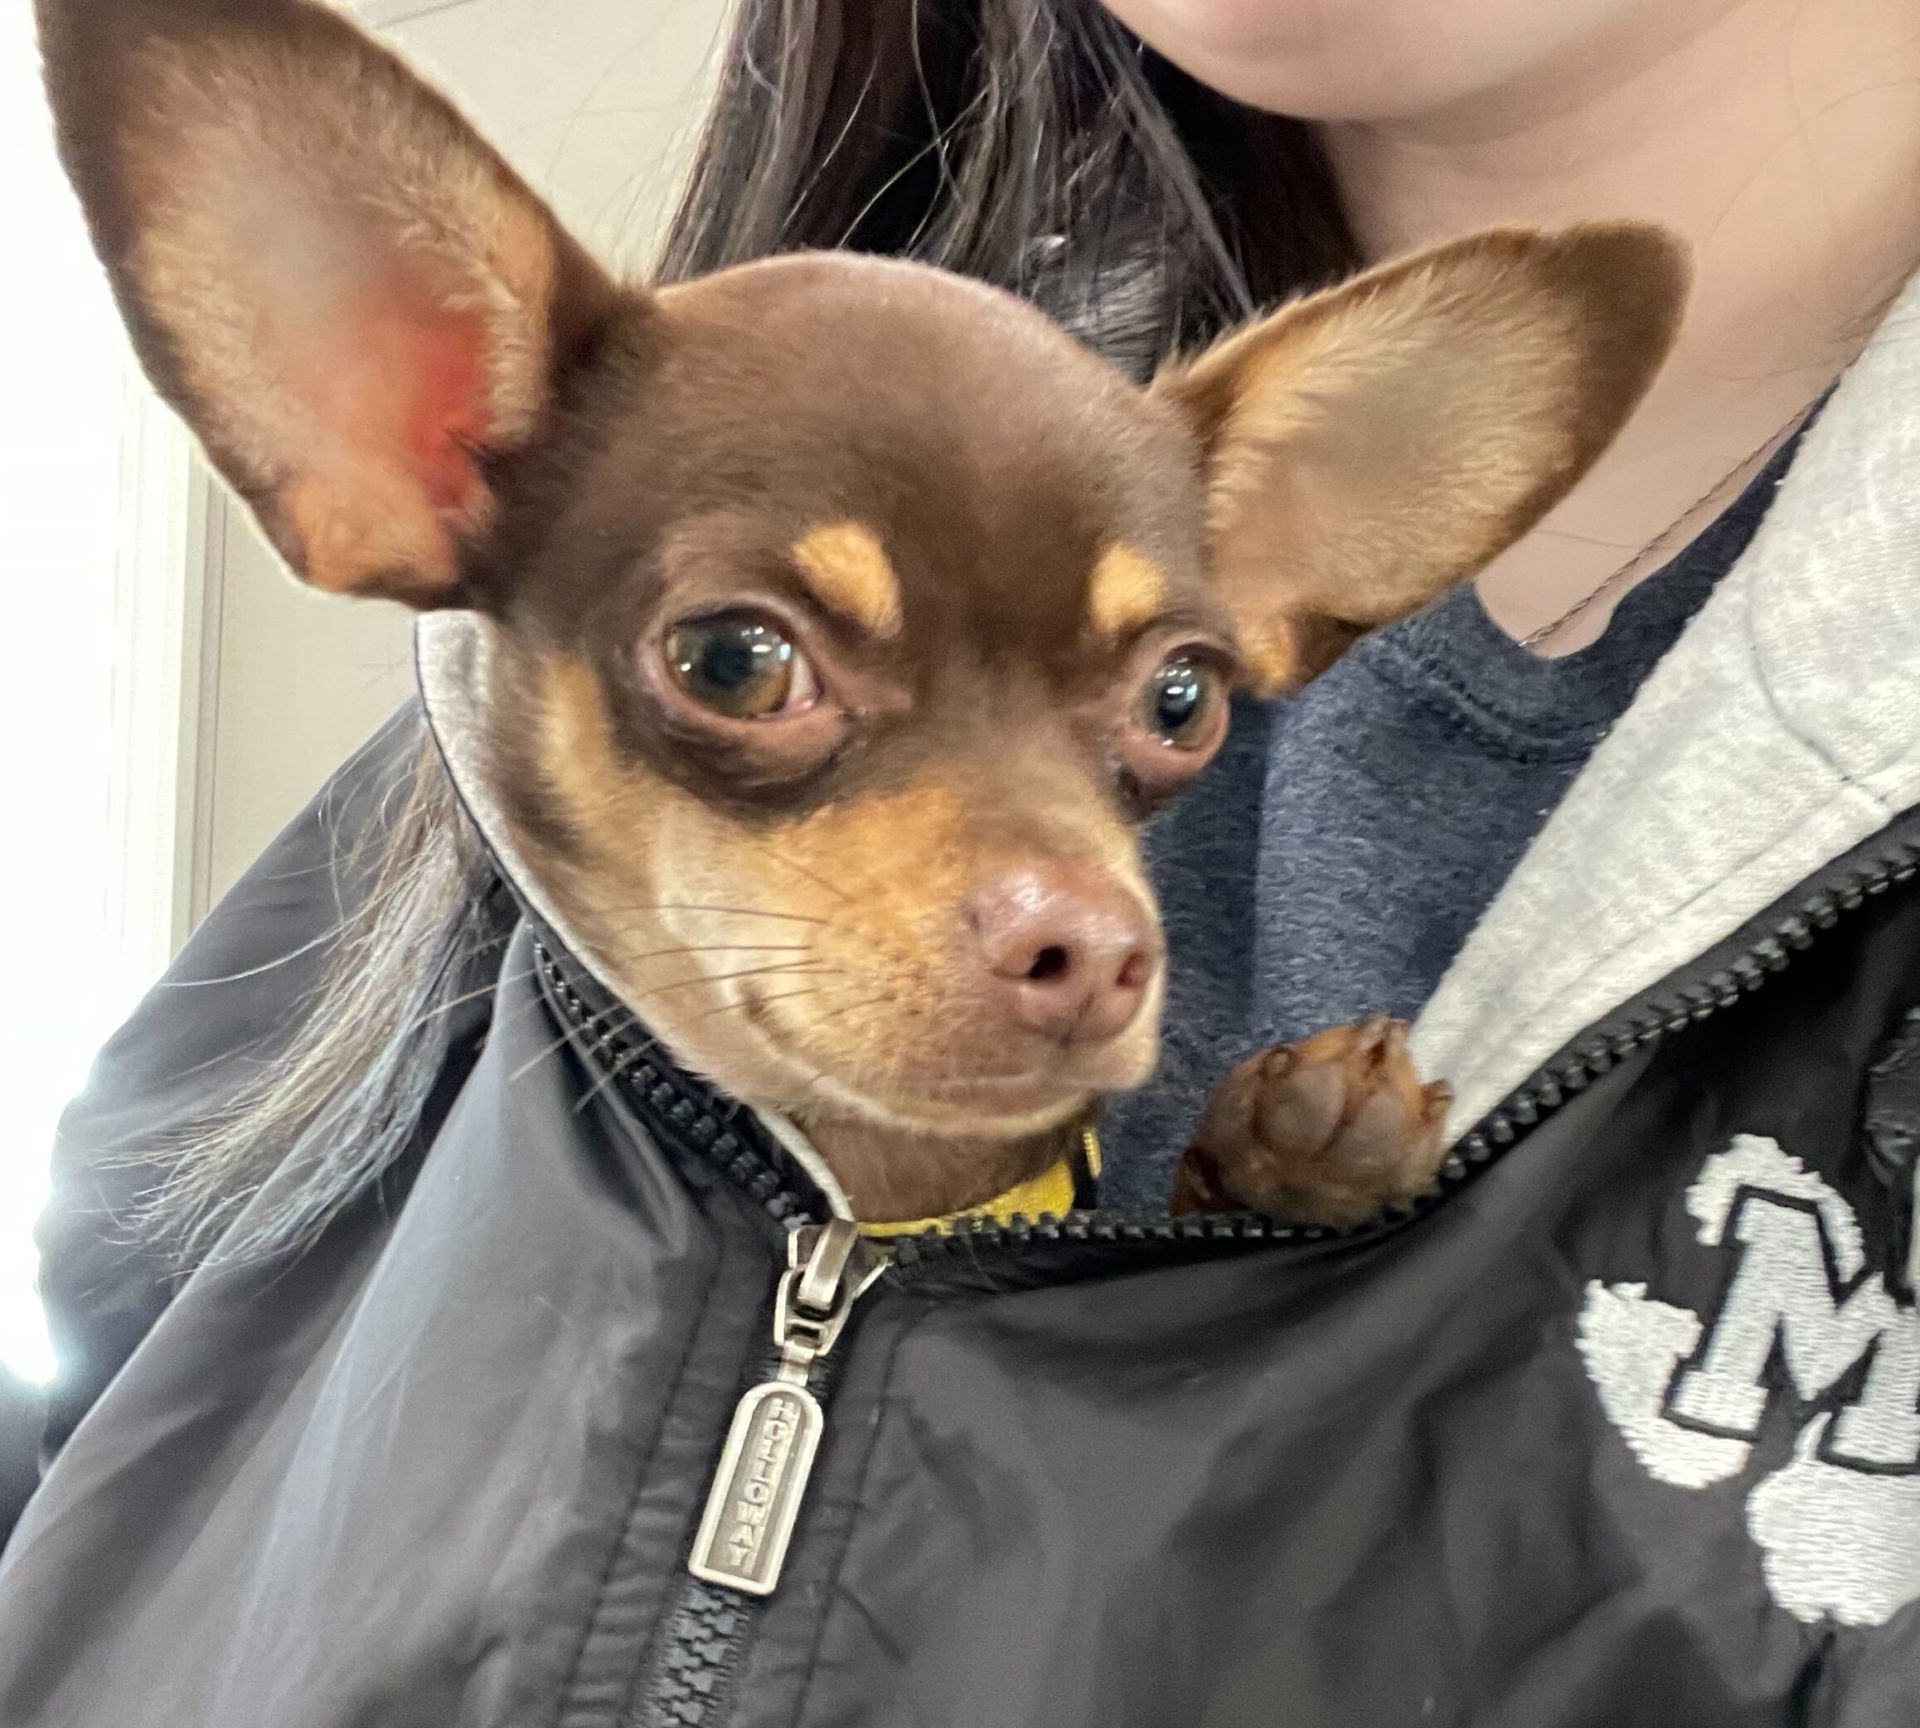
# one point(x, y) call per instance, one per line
point(755, 1499)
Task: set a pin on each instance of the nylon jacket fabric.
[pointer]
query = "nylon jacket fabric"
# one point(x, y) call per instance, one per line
point(444, 1470)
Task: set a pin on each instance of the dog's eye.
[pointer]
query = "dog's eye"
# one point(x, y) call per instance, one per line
point(1183, 704)
point(741, 665)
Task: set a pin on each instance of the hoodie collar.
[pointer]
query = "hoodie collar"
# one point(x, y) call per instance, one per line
point(1780, 732)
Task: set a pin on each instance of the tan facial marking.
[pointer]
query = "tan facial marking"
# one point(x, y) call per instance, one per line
point(849, 572)
point(1269, 656)
point(1126, 591)
point(578, 760)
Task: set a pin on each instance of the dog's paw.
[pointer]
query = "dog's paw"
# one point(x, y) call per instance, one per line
point(1334, 1130)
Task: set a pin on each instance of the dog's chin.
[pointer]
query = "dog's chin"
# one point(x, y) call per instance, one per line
point(767, 1062)
point(1006, 1102)
point(1000, 1105)
point(971, 1110)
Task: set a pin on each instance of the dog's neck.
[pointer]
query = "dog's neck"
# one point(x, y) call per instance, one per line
point(891, 1176)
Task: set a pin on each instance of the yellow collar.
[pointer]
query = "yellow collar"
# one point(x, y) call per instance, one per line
point(1053, 1193)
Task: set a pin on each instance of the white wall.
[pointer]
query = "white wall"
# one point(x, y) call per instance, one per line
point(595, 101)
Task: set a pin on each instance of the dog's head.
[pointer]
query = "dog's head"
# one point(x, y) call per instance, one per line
point(847, 617)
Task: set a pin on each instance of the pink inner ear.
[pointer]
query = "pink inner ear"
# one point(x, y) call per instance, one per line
point(394, 374)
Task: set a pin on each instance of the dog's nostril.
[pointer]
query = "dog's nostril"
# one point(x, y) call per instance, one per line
point(1049, 963)
point(1073, 950)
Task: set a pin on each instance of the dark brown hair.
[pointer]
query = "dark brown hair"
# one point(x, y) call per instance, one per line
point(1033, 144)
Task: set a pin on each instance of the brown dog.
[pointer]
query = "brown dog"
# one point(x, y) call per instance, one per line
point(846, 617)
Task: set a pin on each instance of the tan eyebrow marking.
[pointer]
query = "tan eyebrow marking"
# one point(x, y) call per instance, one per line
point(1127, 589)
point(849, 571)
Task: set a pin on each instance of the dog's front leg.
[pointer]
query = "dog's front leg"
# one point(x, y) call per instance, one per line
point(1334, 1130)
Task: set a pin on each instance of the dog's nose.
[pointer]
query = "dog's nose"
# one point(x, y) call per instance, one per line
point(1072, 952)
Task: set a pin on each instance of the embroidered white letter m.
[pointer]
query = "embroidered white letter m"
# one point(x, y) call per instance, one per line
point(1802, 1289)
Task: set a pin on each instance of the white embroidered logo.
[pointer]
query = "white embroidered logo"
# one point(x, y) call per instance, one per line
point(1839, 1526)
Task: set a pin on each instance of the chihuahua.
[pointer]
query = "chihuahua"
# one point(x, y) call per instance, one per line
point(846, 618)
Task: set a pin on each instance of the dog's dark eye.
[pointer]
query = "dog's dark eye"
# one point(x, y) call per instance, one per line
point(1182, 704)
point(740, 665)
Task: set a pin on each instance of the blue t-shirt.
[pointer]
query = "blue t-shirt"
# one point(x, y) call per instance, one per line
point(1331, 864)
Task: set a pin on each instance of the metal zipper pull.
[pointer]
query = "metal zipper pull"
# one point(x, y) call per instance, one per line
point(756, 1495)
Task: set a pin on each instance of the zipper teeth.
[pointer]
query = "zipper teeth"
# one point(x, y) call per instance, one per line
point(706, 1634)
point(688, 1674)
point(746, 1157)
point(678, 1106)
point(1496, 1134)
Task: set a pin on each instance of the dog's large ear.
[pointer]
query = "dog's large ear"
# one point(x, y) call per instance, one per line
point(353, 301)
point(1369, 446)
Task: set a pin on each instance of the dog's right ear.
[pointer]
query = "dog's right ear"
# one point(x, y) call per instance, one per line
point(354, 302)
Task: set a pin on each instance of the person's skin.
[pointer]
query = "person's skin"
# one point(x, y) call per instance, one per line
point(1780, 137)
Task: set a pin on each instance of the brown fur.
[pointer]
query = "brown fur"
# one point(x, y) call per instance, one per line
point(1328, 1131)
point(982, 539)
point(816, 962)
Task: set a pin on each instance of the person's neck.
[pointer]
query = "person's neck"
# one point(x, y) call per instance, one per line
point(1782, 140)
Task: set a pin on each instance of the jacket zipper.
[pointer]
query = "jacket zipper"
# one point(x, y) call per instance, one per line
point(757, 1492)
point(755, 1497)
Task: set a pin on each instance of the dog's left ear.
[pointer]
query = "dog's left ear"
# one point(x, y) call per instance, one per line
point(355, 303)
point(1366, 448)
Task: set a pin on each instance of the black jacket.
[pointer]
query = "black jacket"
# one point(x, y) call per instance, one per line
point(1622, 1428)
point(446, 1469)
